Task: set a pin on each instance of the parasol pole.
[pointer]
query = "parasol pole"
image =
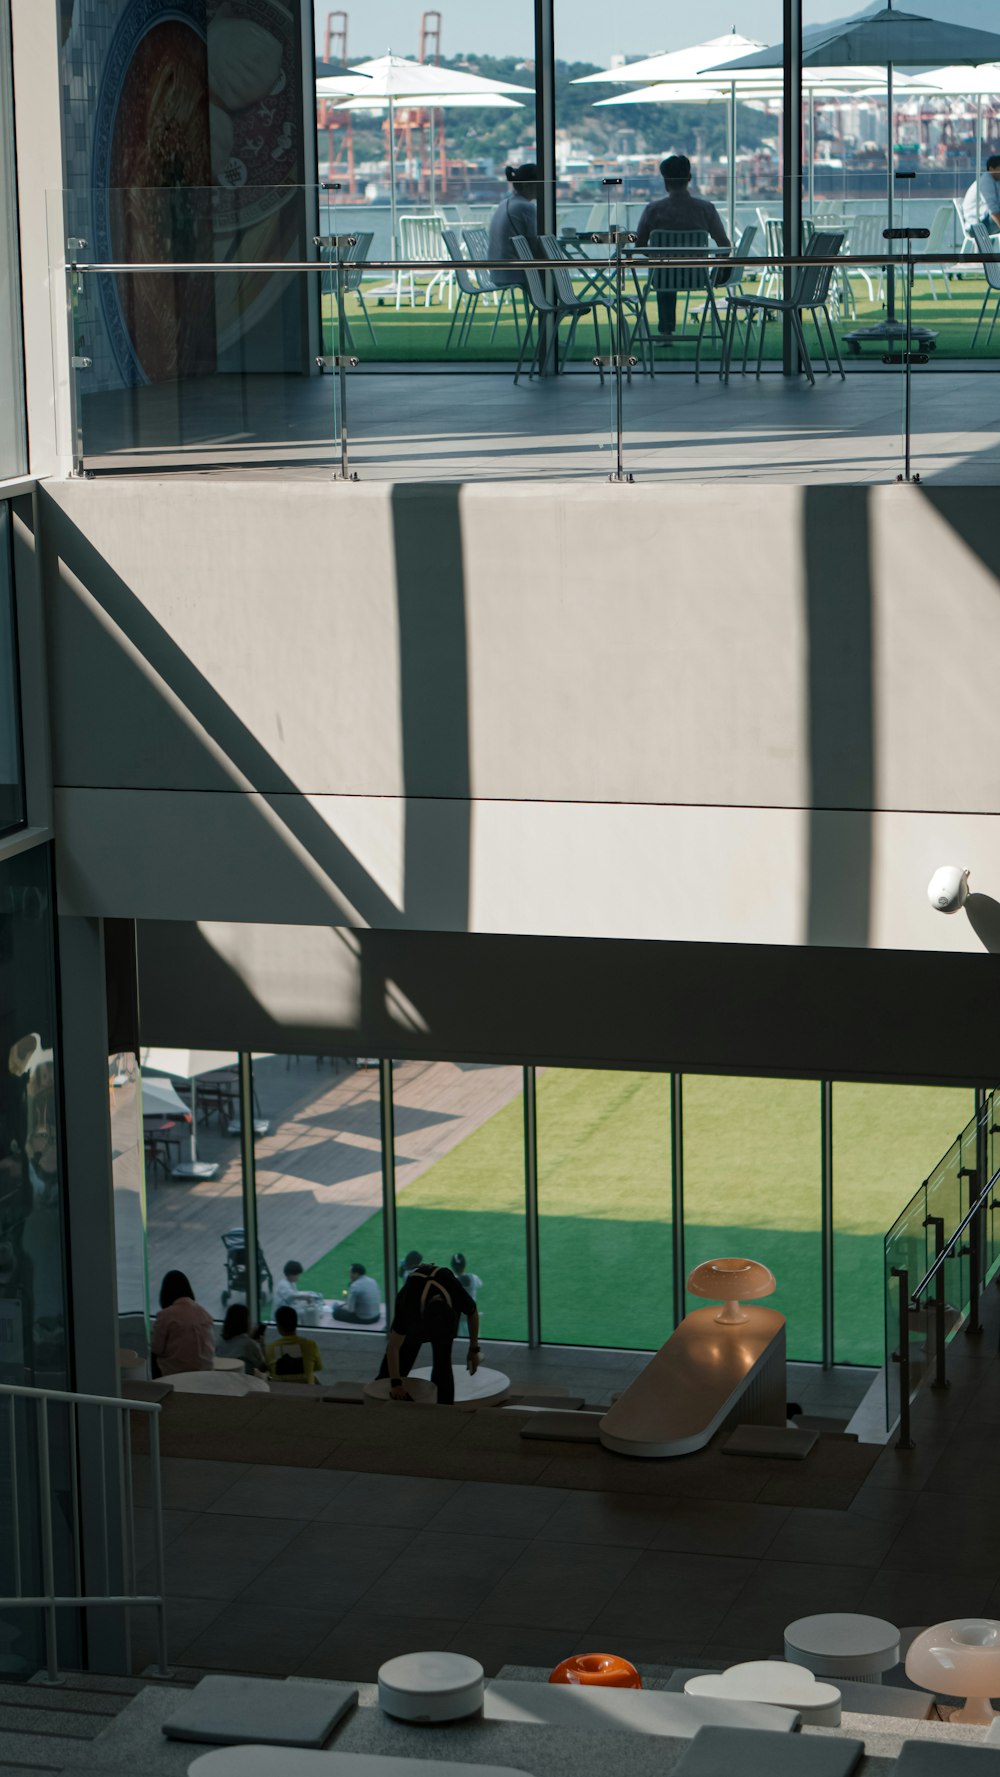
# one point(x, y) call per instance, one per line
point(433, 144)
point(890, 283)
point(392, 176)
point(732, 162)
point(812, 154)
point(979, 144)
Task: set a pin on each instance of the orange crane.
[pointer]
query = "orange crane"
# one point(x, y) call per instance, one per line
point(339, 126)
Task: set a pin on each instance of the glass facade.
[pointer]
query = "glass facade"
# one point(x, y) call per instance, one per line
point(604, 1207)
point(600, 1184)
point(11, 774)
point(12, 427)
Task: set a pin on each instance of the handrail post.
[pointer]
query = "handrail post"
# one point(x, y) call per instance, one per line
point(975, 1243)
point(162, 1668)
point(940, 1375)
point(904, 1441)
point(48, 1560)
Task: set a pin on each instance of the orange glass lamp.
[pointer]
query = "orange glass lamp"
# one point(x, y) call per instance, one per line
point(960, 1659)
point(731, 1281)
point(604, 1669)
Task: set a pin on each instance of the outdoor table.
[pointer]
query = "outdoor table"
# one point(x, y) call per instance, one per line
point(158, 1142)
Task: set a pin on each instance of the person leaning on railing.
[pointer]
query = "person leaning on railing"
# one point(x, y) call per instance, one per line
point(680, 210)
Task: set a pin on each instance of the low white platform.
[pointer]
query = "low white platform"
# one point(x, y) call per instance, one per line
point(597, 1708)
point(487, 1388)
point(707, 1375)
point(260, 1761)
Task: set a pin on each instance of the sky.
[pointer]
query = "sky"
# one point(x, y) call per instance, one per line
point(597, 30)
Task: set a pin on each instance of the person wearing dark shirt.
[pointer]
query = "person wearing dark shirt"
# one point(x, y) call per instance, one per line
point(428, 1309)
point(679, 209)
point(516, 214)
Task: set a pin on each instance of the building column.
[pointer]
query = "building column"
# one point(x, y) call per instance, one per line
point(791, 195)
point(93, 1292)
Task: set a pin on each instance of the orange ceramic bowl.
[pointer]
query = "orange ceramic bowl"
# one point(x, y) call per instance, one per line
point(606, 1669)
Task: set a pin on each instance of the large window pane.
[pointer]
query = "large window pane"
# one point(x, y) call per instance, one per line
point(460, 1180)
point(318, 1155)
point(886, 1141)
point(605, 1234)
point(11, 369)
point(194, 1194)
point(752, 1189)
point(11, 786)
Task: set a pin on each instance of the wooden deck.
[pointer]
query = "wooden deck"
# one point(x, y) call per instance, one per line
point(319, 1169)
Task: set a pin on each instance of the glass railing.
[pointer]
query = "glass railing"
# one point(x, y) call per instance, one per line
point(939, 1254)
point(594, 357)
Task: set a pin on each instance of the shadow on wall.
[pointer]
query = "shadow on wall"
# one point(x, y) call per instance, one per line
point(983, 914)
point(115, 655)
point(840, 716)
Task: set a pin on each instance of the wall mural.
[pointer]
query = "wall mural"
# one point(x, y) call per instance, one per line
point(185, 142)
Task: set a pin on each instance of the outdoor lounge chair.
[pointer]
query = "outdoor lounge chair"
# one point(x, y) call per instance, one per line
point(477, 245)
point(985, 243)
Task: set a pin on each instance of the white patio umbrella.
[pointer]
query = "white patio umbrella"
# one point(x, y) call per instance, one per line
point(187, 1064)
point(978, 83)
point(393, 80)
point(884, 38)
point(762, 86)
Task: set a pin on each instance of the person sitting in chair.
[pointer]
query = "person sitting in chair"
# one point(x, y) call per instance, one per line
point(290, 1358)
point(981, 202)
point(679, 209)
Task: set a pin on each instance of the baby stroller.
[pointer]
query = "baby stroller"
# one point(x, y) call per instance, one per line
point(236, 1269)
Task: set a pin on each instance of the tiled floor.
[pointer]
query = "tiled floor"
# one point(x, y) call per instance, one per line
point(420, 424)
point(326, 1572)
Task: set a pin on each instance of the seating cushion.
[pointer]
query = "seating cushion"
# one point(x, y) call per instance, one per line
point(225, 1711)
point(935, 1758)
point(724, 1752)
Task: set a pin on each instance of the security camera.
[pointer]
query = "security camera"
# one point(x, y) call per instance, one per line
point(948, 889)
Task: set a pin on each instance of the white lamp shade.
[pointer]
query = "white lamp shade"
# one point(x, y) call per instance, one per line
point(962, 1659)
point(731, 1281)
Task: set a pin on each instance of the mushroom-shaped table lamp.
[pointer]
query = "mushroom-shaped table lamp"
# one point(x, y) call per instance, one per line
point(961, 1659)
point(730, 1281)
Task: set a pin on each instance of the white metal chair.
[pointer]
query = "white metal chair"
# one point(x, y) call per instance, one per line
point(420, 239)
point(865, 241)
point(983, 242)
point(941, 243)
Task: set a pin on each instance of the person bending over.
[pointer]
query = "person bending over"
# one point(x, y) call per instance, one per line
point(679, 209)
point(428, 1310)
point(364, 1300)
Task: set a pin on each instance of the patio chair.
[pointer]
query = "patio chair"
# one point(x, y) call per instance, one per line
point(985, 243)
point(600, 291)
point(733, 286)
point(810, 291)
point(354, 261)
point(420, 240)
point(941, 241)
point(477, 245)
point(865, 241)
point(469, 290)
point(557, 310)
point(683, 280)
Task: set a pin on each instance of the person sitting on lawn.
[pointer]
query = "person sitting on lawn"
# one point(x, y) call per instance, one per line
point(364, 1300)
point(288, 1292)
point(290, 1358)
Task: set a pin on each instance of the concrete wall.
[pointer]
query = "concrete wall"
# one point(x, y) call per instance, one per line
point(718, 715)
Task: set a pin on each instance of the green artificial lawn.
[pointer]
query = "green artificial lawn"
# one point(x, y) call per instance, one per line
point(420, 335)
point(752, 1186)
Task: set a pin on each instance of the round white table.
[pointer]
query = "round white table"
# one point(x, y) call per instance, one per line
point(841, 1644)
point(487, 1388)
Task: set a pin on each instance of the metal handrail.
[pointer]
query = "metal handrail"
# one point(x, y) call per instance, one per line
point(51, 1599)
point(946, 1252)
point(787, 261)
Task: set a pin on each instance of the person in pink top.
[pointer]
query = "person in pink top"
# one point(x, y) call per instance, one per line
point(183, 1333)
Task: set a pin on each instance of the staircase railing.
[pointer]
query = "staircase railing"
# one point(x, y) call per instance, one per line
point(105, 1428)
point(946, 1236)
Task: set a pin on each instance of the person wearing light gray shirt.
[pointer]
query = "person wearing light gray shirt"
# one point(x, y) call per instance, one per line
point(364, 1299)
point(982, 201)
point(515, 215)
